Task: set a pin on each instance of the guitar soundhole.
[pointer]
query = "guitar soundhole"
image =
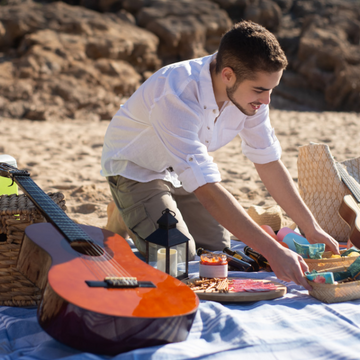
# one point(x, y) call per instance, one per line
point(87, 248)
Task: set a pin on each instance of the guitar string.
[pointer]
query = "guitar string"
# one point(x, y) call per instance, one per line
point(113, 264)
point(349, 182)
point(98, 255)
point(102, 259)
point(110, 265)
point(354, 191)
point(98, 260)
point(97, 271)
point(105, 268)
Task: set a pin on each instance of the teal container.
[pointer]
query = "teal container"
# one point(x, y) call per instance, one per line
point(5, 188)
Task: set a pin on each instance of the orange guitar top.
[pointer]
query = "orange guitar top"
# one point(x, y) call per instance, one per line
point(70, 270)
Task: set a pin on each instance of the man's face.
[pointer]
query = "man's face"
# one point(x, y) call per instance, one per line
point(248, 95)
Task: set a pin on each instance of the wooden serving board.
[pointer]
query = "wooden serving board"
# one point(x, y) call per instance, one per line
point(242, 296)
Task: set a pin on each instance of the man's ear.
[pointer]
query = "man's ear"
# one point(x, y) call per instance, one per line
point(228, 76)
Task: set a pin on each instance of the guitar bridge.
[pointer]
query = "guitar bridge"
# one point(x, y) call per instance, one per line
point(117, 282)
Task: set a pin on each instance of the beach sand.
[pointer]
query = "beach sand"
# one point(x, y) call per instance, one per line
point(65, 156)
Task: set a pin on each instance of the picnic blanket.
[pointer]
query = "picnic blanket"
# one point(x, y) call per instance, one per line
point(295, 326)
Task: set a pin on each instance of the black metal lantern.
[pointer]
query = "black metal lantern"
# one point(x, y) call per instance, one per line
point(167, 248)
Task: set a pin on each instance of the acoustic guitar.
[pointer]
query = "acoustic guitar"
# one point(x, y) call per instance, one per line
point(349, 209)
point(97, 295)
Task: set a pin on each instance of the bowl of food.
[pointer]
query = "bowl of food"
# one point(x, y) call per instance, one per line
point(331, 260)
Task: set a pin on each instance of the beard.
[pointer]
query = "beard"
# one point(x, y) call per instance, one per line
point(230, 94)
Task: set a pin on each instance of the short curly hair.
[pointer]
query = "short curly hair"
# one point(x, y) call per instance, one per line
point(248, 48)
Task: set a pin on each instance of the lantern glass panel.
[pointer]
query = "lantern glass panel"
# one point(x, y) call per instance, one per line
point(173, 260)
point(181, 259)
point(153, 250)
point(177, 259)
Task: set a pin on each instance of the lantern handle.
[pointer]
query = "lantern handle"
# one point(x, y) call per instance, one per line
point(169, 211)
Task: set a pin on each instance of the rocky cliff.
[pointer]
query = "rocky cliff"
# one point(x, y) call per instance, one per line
point(81, 59)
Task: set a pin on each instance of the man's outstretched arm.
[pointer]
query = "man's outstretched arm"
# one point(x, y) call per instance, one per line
point(280, 185)
point(286, 264)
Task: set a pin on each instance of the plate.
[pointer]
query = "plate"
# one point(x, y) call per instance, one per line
point(242, 296)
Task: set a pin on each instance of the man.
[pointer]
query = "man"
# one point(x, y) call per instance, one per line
point(155, 153)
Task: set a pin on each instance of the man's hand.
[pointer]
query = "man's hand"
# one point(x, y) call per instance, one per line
point(288, 266)
point(282, 188)
point(318, 235)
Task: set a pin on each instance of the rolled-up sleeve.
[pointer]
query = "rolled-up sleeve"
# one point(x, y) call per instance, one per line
point(177, 126)
point(259, 143)
point(199, 173)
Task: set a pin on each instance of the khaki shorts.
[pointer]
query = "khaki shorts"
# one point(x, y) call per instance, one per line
point(142, 204)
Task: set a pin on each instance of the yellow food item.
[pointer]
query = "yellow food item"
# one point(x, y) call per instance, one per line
point(354, 253)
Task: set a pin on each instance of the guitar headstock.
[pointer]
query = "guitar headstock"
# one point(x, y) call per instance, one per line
point(10, 171)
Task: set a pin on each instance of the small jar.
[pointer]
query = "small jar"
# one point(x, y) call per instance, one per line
point(213, 266)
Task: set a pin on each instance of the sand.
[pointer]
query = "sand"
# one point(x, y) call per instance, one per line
point(65, 156)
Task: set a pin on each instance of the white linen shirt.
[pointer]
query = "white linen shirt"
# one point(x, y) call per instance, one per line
point(171, 123)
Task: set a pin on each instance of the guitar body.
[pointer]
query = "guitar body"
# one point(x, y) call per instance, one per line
point(87, 302)
point(350, 211)
point(99, 319)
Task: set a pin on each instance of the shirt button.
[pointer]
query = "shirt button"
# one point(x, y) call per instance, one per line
point(204, 107)
point(208, 127)
point(191, 159)
point(207, 141)
point(214, 111)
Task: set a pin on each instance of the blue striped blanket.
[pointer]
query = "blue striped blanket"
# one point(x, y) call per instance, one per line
point(295, 326)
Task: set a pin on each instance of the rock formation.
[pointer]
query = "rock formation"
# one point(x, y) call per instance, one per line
point(61, 61)
point(83, 58)
point(323, 47)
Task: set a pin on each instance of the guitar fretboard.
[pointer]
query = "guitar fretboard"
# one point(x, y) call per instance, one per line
point(51, 211)
point(351, 184)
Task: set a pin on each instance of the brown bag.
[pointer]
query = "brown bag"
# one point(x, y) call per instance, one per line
point(321, 187)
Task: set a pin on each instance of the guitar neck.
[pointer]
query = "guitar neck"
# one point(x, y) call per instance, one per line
point(51, 211)
point(350, 183)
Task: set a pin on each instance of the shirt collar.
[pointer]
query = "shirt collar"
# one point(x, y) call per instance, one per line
point(207, 97)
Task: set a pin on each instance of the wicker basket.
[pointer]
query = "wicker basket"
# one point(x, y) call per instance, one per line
point(333, 293)
point(16, 213)
point(328, 262)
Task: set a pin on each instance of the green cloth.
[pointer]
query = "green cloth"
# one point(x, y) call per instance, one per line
point(352, 272)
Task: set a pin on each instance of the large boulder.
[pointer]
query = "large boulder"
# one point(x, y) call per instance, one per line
point(329, 56)
point(70, 62)
point(265, 12)
point(186, 29)
point(322, 42)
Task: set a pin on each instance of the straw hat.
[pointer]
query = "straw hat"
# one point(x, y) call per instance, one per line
point(270, 215)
